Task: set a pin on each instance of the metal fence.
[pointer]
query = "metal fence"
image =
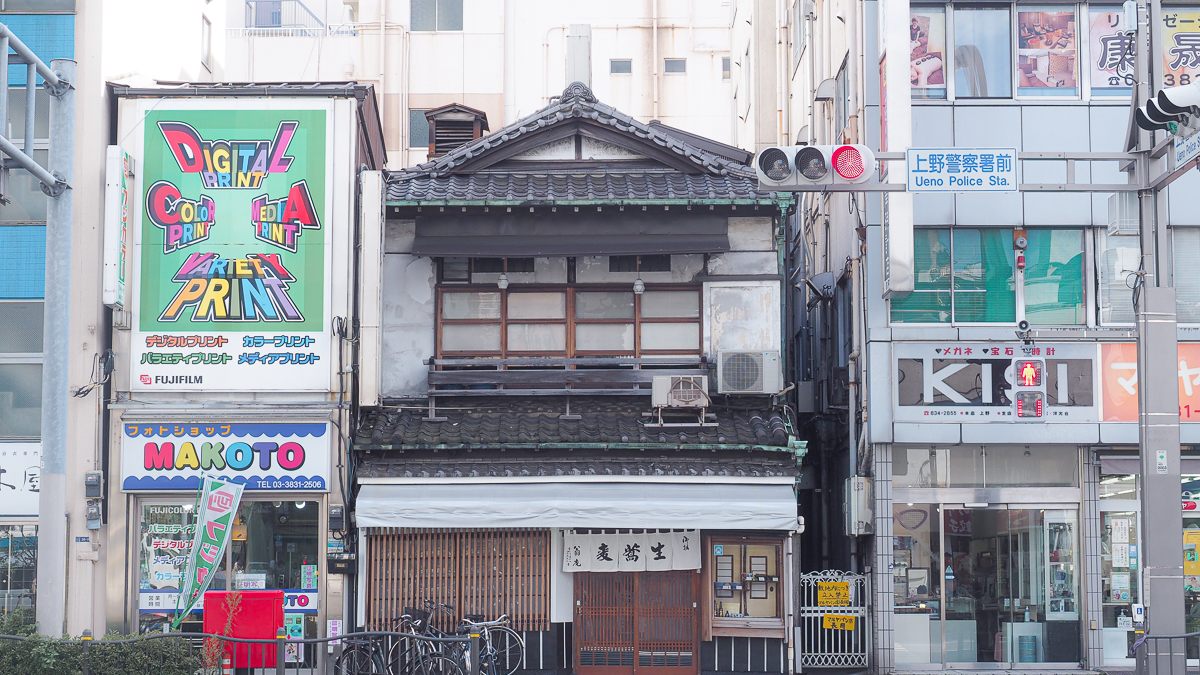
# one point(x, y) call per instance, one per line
point(832, 620)
point(1165, 654)
point(363, 653)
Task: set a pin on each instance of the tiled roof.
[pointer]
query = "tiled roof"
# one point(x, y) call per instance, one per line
point(717, 177)
point(756, 465)
point(538, 424)
point(557, 187)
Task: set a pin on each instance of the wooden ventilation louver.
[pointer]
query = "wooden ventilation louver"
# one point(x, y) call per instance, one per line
point(453, 126)
point(449, 135)
point(488, 572)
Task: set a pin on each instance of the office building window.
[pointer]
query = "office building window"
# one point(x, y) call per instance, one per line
point(418, 129)
point(1187, 273)
point(206, 42)
point(1053, 285)
point(798, 32)
point(1119, 260)
point(964, 275)
point(982, 52)
point(927, 61)
point(22, 288)
point(674, 66)
point(437, 15)
point(1111, 69)
point(726, 65)
point(1047, 63)
point(620, 66)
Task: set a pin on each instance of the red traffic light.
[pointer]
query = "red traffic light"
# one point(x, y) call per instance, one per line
point(848, 162)
point(1027, 372)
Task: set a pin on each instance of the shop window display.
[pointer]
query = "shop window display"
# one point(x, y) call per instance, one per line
point(985, 585)
point(274, 545)
point(746, 585)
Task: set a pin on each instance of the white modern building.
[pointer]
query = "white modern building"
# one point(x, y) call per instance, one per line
point(665, 60)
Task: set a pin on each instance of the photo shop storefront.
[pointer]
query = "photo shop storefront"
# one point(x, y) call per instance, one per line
point(278, 540)
point(703, 569)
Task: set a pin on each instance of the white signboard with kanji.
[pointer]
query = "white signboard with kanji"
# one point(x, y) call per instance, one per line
point(962, 169)
point(629, 552)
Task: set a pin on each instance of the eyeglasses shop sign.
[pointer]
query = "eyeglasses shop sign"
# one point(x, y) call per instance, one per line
point(964, 382)
point(173, 456)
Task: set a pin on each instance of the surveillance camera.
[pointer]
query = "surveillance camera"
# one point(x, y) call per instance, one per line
point(1023, 324)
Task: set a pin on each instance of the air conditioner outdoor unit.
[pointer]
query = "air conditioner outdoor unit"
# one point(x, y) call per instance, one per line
point(1123, 214)
point(679, 391)
point(746, 372)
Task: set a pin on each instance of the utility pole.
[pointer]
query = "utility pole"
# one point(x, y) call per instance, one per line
point(52, 500)
point(1158, 392)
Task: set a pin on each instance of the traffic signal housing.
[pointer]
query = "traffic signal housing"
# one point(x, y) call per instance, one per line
point(1029, 389)
point(798, 166)
point(1173, 109)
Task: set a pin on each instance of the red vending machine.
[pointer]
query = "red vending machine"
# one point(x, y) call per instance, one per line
point(248, 615)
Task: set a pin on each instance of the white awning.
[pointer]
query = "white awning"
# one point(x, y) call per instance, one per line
point(580, 505)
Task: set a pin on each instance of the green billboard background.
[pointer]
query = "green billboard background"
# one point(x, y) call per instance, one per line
point(232, 234)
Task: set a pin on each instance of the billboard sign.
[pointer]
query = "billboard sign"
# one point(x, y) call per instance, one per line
point(174, 456)
point(963, 382)
point(233, 248)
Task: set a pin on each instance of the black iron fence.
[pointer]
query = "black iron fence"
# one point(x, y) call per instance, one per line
point(363, 653)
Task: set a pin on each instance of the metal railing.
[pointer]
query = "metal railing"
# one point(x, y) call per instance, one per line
point(1164, 654)
point(213, 654)
point(266, 18)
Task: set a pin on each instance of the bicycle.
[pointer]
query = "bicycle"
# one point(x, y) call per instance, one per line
point(502, 650)
point(410, 655)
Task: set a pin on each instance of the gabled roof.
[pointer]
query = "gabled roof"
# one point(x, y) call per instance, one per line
point(458, 109)
point(676, 169)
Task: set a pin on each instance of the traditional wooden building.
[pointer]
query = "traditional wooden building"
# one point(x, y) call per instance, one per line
point(573, 406)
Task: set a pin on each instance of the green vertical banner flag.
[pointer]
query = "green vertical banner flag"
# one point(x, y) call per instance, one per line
point(214, 519)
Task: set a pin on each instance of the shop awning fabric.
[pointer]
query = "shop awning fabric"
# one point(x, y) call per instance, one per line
point(640, 505)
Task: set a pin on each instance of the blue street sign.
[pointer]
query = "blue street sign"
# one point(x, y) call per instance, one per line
point(962, 169)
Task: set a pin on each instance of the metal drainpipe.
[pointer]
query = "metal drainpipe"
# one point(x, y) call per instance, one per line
point(510, 61)
point(654, 57)
point(852, 69)
point(383, 62)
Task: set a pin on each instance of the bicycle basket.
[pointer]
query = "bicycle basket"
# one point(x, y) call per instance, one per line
point(420, 618)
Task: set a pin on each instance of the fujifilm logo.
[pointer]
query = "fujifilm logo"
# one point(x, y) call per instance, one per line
point(178, 379)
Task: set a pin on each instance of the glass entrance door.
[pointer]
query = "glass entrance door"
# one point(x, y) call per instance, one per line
point(1002, 588)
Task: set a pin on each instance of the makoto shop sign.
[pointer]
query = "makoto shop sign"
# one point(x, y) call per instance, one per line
point(233, 250)
point(173, 456)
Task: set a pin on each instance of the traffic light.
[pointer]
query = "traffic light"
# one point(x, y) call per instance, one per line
point(1173, 109)
point(798, 166)
point(1029, 389)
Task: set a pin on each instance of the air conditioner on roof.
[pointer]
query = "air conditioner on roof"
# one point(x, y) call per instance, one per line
point(679, 391)
point(749, 372)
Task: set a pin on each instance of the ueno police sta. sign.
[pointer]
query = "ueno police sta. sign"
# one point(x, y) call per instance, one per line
point(962, 169)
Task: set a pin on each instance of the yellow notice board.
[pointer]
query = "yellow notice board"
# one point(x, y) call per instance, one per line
point(837, 621)
point(1191, 552)
point(833, 594)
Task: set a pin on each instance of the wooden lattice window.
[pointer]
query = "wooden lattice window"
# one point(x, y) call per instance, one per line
point(489, 572)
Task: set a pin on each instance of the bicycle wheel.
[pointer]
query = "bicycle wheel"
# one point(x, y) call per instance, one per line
point(400, 656)
point(509, 649)
point(439, 665)
point(358, 660)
